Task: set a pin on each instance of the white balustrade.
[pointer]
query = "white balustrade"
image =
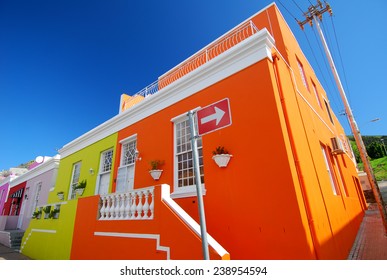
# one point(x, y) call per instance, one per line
point(133, 205)
point(225, 42)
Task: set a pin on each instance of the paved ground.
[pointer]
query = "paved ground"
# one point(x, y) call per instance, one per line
point(371, 241)
point(10, 254)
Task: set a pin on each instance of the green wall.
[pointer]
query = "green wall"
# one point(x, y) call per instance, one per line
point(52, 238)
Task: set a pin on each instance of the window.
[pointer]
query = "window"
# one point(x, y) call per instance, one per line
point(128, 153)
point(328, 111)
point(106, 161)
point(125, 173)
point(184, 167)
point(330, 170)
point(302, 74)
point(316, 94)
point(105, 166)
point(74, 179)
point(38, 188)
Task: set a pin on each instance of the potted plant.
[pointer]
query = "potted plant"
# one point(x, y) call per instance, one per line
point(155, 170)
point(80, 187)
point(221, 156)
point(60, 195)
point(54, 214)
point(37, 214)
point(46, 211)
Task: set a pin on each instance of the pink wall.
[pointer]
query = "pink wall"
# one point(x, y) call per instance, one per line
point(3, 196)
point(48, 181)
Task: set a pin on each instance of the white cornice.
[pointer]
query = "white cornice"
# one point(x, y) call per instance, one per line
point(48, 165)
point(255, 48)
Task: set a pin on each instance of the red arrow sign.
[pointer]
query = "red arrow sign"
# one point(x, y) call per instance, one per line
point(214, 116)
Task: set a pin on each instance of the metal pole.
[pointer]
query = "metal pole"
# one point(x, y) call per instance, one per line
point(356, 133)
point(384, 147)
point(195, 156)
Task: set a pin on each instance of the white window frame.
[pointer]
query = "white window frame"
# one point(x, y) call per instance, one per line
point(38, 189)
point(329, 111)
point(72, 193)
point(101, 166)
point(316, 94)
point(122, 165)
point(184, 191)
point(102, 161)
point(302, 73)
point(331, 174)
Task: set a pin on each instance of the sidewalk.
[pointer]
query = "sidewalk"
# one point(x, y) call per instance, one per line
point(10, 254)
point(370, 242)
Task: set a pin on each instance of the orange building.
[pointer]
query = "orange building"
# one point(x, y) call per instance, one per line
point(290, 190)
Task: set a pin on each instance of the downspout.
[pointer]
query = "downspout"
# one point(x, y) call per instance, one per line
point(296, 159)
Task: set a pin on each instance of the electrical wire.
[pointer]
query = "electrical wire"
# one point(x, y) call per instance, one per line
point(341, 58)
point(295, 3)
point(287, 10)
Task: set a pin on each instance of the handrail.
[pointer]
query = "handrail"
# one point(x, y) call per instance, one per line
point(137, 204)
point(214, 49)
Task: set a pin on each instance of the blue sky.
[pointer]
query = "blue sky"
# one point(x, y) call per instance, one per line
point(65, 63)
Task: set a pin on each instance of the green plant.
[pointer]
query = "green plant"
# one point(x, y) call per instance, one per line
point(36, 214)
point(81, 185)
point(60, 192)
point(219, 151)
point(47, 209)
point(53, 212)
point(156, 164)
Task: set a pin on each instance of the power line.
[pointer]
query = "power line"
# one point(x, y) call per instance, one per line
point(341, 58)
point(295, 3)
point(287, 10)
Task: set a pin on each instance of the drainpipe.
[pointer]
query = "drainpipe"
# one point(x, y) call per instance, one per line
point(296, 159)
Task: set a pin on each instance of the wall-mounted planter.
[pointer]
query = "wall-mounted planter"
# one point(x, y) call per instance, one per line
point(80, 191)
point(60, 196)
point(222, 160)
point(155, 173)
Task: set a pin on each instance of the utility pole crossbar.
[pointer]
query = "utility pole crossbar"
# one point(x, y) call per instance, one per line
point(314, 12)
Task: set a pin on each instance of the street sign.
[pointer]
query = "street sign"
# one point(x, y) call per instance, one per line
point(214, 117)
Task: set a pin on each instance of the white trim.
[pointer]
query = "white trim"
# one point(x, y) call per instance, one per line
point(185, 191)
point(43, 230)
point(188, 191)
point(128, 139)
point(188, 220)
point(253, 49)
point(139, 236)
point(184, 115)
point(52, 163)
point(51, 231)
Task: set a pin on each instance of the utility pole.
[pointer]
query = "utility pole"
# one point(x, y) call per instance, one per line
point(314, 12)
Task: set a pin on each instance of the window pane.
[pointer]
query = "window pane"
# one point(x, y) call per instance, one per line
point(184, 154)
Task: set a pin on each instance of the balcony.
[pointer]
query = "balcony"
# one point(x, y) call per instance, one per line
point(219, 46)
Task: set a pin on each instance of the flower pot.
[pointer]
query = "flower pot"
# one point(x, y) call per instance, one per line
point(79, 191)
point(60, 196)
point(155, 173)
point(222, 159)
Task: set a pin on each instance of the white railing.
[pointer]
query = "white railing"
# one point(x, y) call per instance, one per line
point(133, 205)
point(227, 41)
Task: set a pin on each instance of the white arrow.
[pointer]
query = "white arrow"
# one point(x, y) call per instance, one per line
point(218, 115)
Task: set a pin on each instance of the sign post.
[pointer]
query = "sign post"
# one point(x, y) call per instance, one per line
point(210, 118)
point(214, 117)
point(195, 155)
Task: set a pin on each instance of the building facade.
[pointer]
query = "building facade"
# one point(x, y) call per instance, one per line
point(290, 190)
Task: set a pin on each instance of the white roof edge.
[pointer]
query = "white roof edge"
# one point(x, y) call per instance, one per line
point(51, 163)
point(172, 93)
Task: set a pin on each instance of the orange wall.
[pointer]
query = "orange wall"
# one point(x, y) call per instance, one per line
point(183, 243)
point(274, 200)
point(245, 212)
